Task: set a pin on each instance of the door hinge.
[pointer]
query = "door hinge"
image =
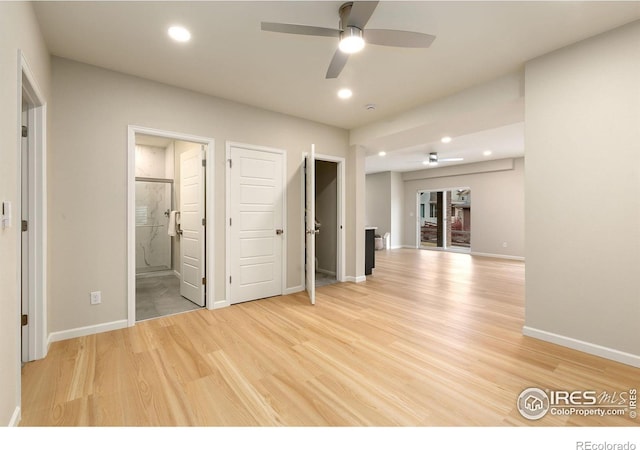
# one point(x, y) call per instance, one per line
point(230, 164)
point(229, 221)
point(204, 163)
point(204, 222)
point(229, 280)
point(24, 225)
point(204, 281)
point(24, 320)
point(25, 131)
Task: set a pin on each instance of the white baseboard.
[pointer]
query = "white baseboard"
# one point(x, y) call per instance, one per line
point(359, 279)
point(293, 290)
point(220, 304)
point(15, 418)
point(86, 331)
point(586, 347)
point(494, 255)
point(408, 246)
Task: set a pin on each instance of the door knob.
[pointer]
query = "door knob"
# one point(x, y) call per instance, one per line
point(279, 231)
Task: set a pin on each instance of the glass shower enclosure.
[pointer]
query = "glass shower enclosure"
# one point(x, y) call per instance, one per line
point(153, 208)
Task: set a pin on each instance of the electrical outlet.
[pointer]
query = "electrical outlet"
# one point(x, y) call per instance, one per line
point(504, 244)
point(96, 298)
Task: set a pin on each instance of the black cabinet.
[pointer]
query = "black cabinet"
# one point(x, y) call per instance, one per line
point(369, 251)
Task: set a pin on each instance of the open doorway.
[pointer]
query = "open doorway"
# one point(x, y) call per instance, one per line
point(444, 219)
point(323, 203)
point(170, 244)
point(326, 218)
point(169, 201)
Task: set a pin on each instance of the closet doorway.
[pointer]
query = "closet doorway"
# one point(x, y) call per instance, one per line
point(169, 200)
point(326, 219)
point(329, 201)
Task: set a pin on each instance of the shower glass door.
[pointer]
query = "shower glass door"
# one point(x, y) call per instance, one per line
point(153, 243)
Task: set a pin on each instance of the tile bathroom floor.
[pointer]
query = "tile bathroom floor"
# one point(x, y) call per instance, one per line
point(160, 296)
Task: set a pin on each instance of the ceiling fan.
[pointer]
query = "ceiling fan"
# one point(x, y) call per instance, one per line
point(432, 159)
point(352, 34)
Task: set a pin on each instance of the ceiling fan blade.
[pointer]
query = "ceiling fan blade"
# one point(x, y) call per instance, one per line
point(397, 38)
point(361, 13)
point(338, 62)
point(299, 29)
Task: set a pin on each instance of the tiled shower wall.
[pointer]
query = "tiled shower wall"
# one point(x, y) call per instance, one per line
point(153, 199)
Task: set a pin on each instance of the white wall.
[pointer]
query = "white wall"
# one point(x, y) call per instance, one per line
point(378, 209)
point(397, 209)
point(92, 109)
point(355, 213)
point(583, 136)
point(385, 205)
point(497, 208)
point(19, 31)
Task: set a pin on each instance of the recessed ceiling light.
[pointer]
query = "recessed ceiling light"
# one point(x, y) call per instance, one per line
point(382, 153)
point(345, 93)
point(487, 152)
point(446, 139)
point(179, 34)
point(351, 40)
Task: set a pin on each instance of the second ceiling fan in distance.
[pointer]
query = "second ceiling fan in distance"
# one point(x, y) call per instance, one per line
point(352, 34)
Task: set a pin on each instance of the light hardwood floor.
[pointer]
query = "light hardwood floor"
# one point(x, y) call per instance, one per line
point(431, 339)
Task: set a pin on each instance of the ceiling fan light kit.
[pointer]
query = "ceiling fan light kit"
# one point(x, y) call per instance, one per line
point(351, 34)
point(351, 40)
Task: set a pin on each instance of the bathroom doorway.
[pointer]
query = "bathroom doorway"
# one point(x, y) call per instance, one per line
point(169, 226)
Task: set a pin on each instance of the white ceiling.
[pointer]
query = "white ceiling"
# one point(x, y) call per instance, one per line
point(503, 142)
point(230, 57)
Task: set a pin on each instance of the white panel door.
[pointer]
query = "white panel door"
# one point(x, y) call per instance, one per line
point(255, 224)
point(192, 213)
point(310, 224)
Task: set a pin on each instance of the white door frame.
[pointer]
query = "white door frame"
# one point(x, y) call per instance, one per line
point(29, 91)
point(209, 172)
point(340, 247)
point(259, 148)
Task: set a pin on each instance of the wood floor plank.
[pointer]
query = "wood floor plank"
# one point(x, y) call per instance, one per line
point(430, 339)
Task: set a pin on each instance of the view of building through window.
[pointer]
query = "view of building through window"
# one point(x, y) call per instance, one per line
point(445, 218)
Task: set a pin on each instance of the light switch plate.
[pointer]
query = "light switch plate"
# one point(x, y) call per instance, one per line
point(6, 214)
